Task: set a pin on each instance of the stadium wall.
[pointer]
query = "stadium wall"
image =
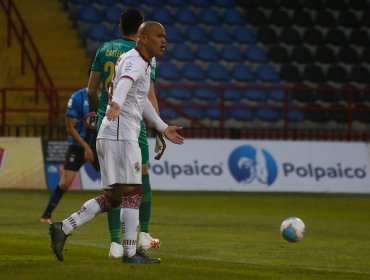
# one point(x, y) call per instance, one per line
point(207, 165)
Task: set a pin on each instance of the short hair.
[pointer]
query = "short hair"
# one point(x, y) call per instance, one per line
point(130, 21)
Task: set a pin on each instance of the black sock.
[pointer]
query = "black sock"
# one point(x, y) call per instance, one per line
point(54, 199)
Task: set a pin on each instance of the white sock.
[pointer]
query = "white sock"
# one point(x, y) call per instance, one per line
point(130, 224)
point(87, 212)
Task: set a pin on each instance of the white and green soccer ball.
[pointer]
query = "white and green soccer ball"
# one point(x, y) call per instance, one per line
point(292, 229)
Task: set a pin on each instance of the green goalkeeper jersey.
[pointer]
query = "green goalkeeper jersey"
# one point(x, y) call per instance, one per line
point(104, 62)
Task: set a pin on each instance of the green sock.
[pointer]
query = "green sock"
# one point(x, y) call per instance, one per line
point(146, 204)
point(114, 223)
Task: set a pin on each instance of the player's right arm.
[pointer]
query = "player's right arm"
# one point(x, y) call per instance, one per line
point(93, 89)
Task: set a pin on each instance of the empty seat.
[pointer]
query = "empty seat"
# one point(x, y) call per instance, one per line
point(220, 34)
point(337, 74)
point(313, 36)
point(303, 93)
point(324, 18)
point(233, 95)
point(98, 32)
point(173, 34)
point(213, 114)
point(329, 94)
point(302, 18)
point(255, 53)
point(336, 4)
point(112, 14)
point(206, 94)
point(267, 35)
point(291, 4)
point(192, 71)
point(242, 115)
point(196, 34)
point(359, 37)
point(255, 95)
point(209, 16)
point(257, 18)
point(152, 3)
point(207, 53)
point(168, 71)
point(317, 114)
point(233, 16)
point(302, 54)
point(186, 16)
point(231, 53)
point(336, 37)
point(353, 93)
point(200, 3)
point(178, 3)
point(290, 36)
point(361, 5)
point(361, 113)
point(162, 15)
point(245, 35)
point(314, 74)
point(182, 52)
point(325, 54)
point(279, 54)
point(347, 19)
point(267, 73)
point(296, 115)
point(365, 56)
point(290, 73)
point(224, 3)
point(276, 95)
point(365, 19)
point(217, 72)
point(168, 113)
point(338, 113)
point(360, 74)
point(279, 18)
point(89, 14)
point(268, 115)
point(269, 4)
point(194, 113)
point(349, 55)
point(242, 73)
point(182, 94)
point(313, 4)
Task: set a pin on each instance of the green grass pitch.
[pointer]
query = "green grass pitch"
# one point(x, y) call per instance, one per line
point(203, 235)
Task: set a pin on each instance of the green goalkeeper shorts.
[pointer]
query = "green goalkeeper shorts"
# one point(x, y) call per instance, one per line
point(143, 143)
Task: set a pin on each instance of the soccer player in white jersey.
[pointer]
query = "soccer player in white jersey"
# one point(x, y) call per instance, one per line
point(118, 148)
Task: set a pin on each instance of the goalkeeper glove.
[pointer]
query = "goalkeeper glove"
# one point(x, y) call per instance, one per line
point(160, 146)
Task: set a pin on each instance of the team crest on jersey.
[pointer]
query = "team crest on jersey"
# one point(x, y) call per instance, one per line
point(137, 167)
point(90, 120)
point(128, 66)
point(2, 158)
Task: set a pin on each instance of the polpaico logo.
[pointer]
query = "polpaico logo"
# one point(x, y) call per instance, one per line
point(248, 163)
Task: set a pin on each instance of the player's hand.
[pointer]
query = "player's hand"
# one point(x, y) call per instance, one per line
point(172, 135)
point(89, 154)
point(113, 111)
point(160, 146)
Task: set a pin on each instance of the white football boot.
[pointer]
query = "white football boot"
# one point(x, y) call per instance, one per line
point(116, 251)
point(146, 242)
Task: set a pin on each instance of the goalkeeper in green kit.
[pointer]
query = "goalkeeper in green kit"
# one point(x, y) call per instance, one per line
point(102, 71)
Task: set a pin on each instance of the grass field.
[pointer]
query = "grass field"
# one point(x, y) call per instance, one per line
point(203, 235)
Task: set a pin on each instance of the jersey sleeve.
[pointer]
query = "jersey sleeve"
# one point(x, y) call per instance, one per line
point(131, 68)
point(96, 66)
point(73, 107)
point(153, 66)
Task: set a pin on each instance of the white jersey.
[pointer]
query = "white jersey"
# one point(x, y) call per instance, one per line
point(131, 65)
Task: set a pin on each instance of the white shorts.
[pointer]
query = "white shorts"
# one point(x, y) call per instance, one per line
point(120, 162)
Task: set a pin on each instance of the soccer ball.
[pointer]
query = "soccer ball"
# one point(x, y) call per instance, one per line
point(292, 229)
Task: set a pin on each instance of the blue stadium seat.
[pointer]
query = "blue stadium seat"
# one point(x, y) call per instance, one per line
point(242, 73)
point(194, 113)
point(192, 71)
point(196, 34)
point(267, 73)
point(168, 113)
point(162, 15)
point(129, 3)
point(224, 3)
point(276, 95)
point(296, 116)
point(255, 54)
point(168, 71)
point(207, 53)
point(213, 114)
point(112, 14)
point(206, 94)
point(255, 95)
point(183, 94)
point(231, 53)
point(182, 52)
point(233, 95)
point(217, 72)
point(210, 17)
point(116, 34)
point(89, 14)
point(242, 114)
point(220, 34)
point(105, 2)
point(186, 16)
point(173, 34)
point(245, 35)
point(268, 115)
point(165, 57)
point(201, 3)
point(98, 32)
point(177, 3)
point(234, 17)
point(154, 3)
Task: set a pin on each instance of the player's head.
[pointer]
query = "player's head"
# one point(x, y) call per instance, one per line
point(152, 38)
point(130, 21)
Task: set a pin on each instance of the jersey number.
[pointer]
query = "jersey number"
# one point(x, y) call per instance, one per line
point(108, 68)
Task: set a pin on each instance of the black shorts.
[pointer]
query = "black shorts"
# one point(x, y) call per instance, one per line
point(75, 158)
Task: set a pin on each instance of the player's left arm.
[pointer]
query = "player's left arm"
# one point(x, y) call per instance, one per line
point(93, 88)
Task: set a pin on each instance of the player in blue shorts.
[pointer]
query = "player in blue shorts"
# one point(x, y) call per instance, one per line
point(81, 127)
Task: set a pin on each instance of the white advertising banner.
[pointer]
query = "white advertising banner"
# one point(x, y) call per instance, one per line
point(276, 166)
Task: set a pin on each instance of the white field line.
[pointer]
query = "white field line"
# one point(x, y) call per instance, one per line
point(221, 260)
